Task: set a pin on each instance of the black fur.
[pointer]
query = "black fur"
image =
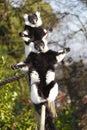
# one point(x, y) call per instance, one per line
point(43, 62)
point(34, 33)
point(32, 17)
point(49, 120)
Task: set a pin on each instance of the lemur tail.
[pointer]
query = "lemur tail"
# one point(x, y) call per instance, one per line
point(49, 120)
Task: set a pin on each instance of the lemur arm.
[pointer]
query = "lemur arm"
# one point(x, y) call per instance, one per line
point(61, 54)
point(21, 66)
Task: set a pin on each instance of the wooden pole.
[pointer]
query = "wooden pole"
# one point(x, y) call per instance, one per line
point(43, 111)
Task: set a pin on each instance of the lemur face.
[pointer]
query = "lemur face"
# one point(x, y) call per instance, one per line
point(41, 45)
point(33, 20)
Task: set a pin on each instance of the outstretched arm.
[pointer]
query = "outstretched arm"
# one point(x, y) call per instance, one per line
point(21, 66)
point(61, 54)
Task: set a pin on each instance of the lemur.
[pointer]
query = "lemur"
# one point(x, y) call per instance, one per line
point(40, 62)
point(34, 36)
point(41, 71)
point(33, 31)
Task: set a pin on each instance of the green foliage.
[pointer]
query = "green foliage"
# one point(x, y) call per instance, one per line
point(66, 119)
point(15, 107)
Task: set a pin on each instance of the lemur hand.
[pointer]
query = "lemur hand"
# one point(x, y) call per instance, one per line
point(67, 49)
point(14, 67)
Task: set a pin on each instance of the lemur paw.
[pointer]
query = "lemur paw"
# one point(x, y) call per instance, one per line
point(67, 49)
point(14, 67)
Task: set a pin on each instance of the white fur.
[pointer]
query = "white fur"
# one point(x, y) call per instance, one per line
point(30, 48)
point(61, 56)
point(50, 76)
point(38, 23)
point(27, 50)
point(26, 39)
point(45, 30)
point(34, 77)
point(35, 98)
point(38, 13)
point(25, 16)
point(20, 63)
point(25, 32)
point(44, 39)
point(23, 68)
point(53, 93)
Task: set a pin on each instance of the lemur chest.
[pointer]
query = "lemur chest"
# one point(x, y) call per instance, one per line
point(44, 66)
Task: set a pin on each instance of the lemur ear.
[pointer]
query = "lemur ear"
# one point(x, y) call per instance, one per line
point(25, 16)
point(38, 13)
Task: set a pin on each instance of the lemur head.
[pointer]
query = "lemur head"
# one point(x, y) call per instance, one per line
point(41, 45)
point(33, 20)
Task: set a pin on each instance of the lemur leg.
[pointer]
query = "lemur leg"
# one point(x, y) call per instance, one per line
point(50, 76)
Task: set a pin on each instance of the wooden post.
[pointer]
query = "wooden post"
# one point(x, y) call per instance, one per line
point(43, 111)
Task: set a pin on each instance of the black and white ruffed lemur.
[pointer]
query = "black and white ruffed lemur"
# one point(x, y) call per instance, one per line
point(40, 64)
point(41, 71)
point(33, 31)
